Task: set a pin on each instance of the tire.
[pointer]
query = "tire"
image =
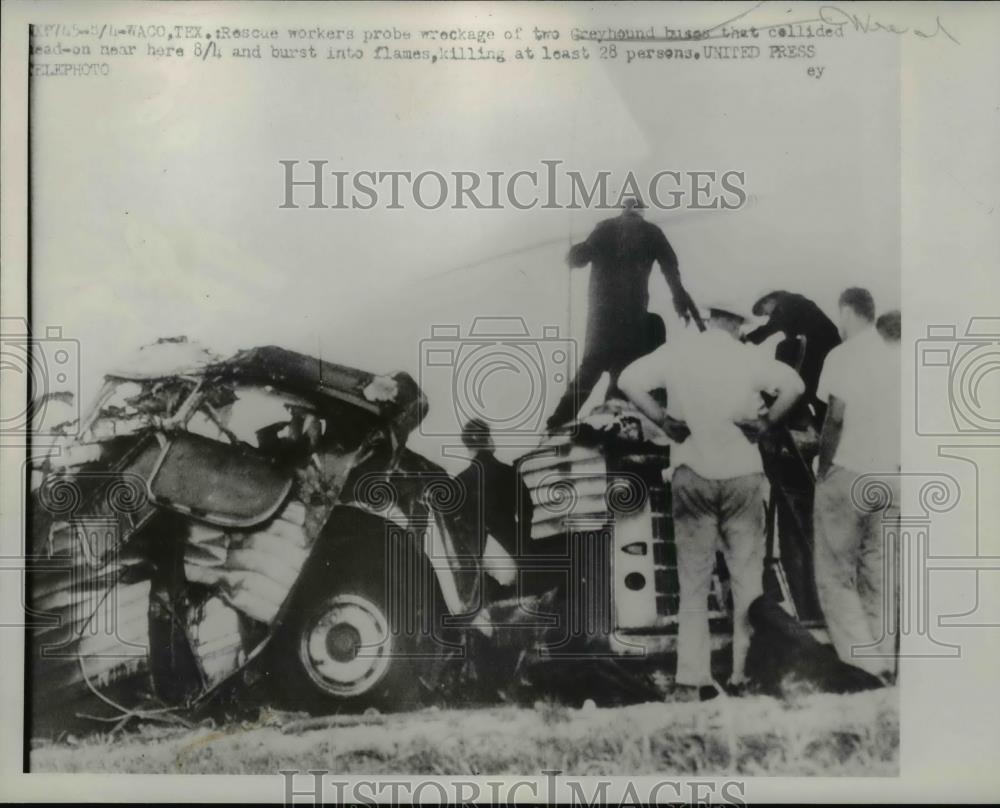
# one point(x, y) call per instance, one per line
point(342, 646)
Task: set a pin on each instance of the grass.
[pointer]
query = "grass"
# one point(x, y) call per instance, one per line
point(817, 734)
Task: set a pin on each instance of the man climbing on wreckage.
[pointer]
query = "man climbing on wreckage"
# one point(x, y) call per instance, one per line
point(621, 252)
point(804, 336)
point(796, 316)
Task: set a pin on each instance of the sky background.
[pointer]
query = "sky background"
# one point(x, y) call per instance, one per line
point(156, 192)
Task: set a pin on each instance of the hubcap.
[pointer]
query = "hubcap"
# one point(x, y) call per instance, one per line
point(343, 642)
point(346, 648)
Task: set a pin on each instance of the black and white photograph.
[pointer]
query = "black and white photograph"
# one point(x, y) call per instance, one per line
point(501, 402)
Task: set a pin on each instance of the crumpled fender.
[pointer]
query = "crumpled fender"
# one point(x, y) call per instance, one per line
point(420, 496)
point(436, 547)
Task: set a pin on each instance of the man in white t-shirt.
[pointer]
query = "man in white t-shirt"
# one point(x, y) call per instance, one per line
point(861, 436)
point(715, 412)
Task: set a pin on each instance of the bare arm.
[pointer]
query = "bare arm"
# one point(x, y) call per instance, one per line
point(636, 382)
point(683, 304)
point(786, 386)
point(647, 405)
point(788, 390)
point(639, 378)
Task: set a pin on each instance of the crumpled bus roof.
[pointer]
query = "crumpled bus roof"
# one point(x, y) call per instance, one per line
point(297, 373)
point(287, 370)
point(165, 358)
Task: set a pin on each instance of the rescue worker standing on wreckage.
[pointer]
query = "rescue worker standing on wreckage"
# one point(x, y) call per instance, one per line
point(621, 252)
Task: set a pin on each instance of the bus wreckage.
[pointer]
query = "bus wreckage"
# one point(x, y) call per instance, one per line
point(212, 514)
point(259, 519)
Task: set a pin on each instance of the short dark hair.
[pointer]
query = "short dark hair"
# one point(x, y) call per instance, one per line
point(860, 301)
point(758, 307)
point(476, 433)
point(655, 331)
point(633, 202)
point(889, 325)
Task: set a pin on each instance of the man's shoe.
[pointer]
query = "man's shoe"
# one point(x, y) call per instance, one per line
point(707, 692)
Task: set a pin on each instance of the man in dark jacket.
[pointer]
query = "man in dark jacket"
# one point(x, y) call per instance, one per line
point(499, 505)
point(621, 252)
point(791, 484)
point(796, 316)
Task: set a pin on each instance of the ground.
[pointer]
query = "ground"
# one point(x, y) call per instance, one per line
point(809, 734)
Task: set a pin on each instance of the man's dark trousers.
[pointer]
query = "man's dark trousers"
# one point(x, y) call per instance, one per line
point(613, 354)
